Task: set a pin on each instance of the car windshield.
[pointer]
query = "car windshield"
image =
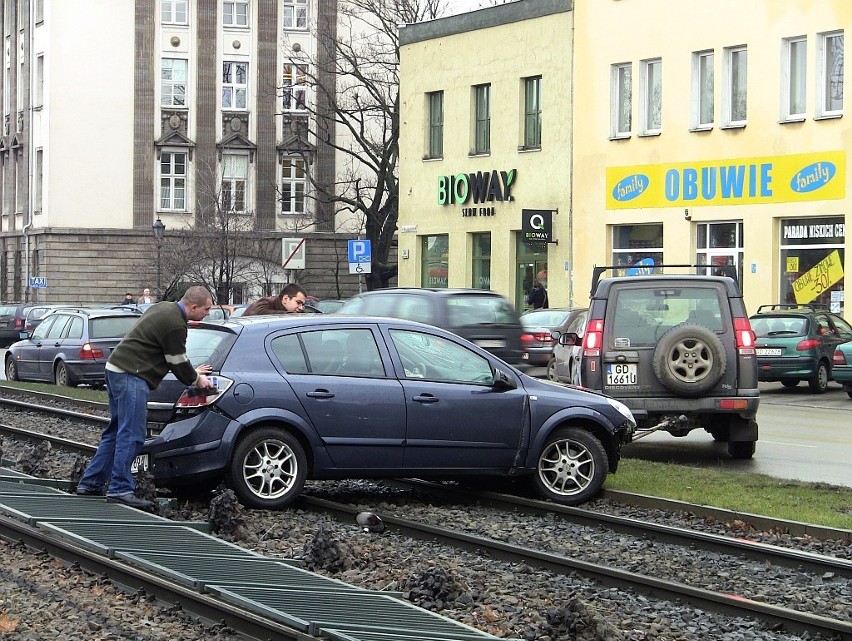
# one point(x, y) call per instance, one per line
point(545, 318)
point(643, 315)
point(480, 310)
point(111, 326)
point(764, 326)
point(209, 346)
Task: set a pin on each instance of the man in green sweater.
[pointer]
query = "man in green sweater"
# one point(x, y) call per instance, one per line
point(155, 345)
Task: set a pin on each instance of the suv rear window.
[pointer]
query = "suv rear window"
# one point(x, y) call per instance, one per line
point(643, 315)
point(465, 311)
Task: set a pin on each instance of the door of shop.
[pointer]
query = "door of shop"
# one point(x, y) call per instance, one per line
point(531, 267)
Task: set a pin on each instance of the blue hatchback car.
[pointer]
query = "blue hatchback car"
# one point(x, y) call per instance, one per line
point(332, 397)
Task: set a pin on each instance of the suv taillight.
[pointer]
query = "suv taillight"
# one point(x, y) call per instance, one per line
point(87, 352)
point(839, 358)
point(193, 398)
point(594, 338)
point(745, 337)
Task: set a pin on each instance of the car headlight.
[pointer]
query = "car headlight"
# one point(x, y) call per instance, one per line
point(622, 409)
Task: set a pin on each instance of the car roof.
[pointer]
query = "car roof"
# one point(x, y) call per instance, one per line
point(657, 280)
point(792, 308)
point(311, 320)
point(92, 312)
point(432, 291)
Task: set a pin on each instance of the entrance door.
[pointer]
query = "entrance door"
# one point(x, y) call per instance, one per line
point(531, 267)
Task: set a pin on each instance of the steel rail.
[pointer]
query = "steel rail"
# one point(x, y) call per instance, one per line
point(30, 436)
point(80, 417)
point(19, 392)
point(131, 578)
point(729, 604)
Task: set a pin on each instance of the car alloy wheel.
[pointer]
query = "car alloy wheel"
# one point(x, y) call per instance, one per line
point(11, 369)
point(819, 383)
point(572, 466)
point(689, 360)
point(268, 468)
point(551, 370)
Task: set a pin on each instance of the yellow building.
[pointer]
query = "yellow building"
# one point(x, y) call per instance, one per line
point(712, 136)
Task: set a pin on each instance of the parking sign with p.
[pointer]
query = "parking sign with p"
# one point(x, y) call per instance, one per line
point(360, 257)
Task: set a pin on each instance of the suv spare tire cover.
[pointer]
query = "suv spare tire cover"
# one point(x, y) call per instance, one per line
point(689, 359)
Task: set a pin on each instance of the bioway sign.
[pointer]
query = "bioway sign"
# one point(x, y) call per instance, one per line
point(480, 187)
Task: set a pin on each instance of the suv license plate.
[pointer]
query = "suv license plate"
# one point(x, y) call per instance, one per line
point(621, 374)
point(140, 464)
point(491, 343)
point(765, 351)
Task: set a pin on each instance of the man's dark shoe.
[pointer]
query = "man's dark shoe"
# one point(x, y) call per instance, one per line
point(88, 491)
point(130, 500)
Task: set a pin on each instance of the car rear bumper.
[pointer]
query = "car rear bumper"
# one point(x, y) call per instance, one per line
point(646, 408)
point(538, 356)
point(774, 369)
point(86, 372)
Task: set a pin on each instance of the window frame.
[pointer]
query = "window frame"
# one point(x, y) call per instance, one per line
point(621, 101)
point(794, 77)
point(234, 23)
point(172, 7)
point(699, 78)
point(730, 77)
point(234, 86)
point(482, 119)
point(295, 89)
point(532, 110)
point(233, 185)
point(294, 185)
point(435, 124)
point(296, 13)
point(173, 177)
point(173, 83)
point(650, 98)
point(824, 83)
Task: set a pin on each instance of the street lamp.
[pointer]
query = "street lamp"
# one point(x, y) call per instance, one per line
point(159, 228)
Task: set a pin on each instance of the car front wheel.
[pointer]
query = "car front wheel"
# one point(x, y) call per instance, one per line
point(268, 469)
point(551, 370)
point(11, 369)
point(572, 466)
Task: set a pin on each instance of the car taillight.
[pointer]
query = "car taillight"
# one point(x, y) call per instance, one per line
point(526, 338)
point(745, 336)
point(808, 343)
point(593, 339)
point(839, 358)
point(19, 323)
point(87, 352)
point(194, 398)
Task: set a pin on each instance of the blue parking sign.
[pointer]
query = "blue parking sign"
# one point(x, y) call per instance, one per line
point(360, 252)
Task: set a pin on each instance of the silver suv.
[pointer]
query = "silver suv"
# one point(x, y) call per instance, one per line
point(678, 350)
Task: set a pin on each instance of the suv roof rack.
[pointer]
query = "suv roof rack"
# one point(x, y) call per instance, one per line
point(724, 270)
point(821, 307)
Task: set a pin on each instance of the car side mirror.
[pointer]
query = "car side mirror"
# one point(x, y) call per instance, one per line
point(502, 381)
point(24, 335)
point(568, 339)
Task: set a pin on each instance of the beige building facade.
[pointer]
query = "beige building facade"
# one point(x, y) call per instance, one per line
point(713, 137)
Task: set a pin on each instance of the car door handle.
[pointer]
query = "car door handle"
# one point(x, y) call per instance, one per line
point(425, 398)
point(320, 393)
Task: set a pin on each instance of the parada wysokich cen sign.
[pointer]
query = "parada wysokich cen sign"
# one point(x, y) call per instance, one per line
point(480, 188)
point(738, 181)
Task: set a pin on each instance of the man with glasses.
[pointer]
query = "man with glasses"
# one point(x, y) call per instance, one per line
point(291, 300)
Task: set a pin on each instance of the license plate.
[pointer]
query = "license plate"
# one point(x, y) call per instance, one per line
point(525, 356)
point(490, 343)
point(766, 351)
point(140, 464)
point(621, 374)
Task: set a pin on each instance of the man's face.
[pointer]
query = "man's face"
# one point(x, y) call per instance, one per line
point(197, 312)
point(146, 292)
point(295, 304)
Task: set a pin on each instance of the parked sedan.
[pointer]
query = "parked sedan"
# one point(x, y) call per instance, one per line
point(843, 367)
point(69, 347)
point(538, 328)
point(566, 365)
point(333, 397)
point(797, 342)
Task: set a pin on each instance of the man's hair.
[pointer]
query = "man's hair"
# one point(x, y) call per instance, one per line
point(196, 295)
point(291, 289)
point(128, 294)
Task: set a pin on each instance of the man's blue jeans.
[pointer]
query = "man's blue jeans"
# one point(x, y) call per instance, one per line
point(122, 438)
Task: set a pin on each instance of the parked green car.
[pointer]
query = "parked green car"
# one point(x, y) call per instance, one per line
point(843, 367)
point(797, 342)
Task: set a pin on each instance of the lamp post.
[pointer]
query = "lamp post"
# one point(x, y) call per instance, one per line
point(159, 228)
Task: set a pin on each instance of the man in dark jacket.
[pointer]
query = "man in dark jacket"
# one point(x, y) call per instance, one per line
point(155, 345)
point(291, 300)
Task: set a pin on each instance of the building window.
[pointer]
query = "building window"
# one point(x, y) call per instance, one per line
point(234, 85)
point(173, 181)
point(173, 12)
point(793, 78)
point(532, 113)
point(637, 246)
point(436, 124)
point(830, 64)
point(812, 265)
point(235, 13)
point(621, 93)
point(39, 82)
point(295, 87)
point(39, 180)
point(7, 78)
point(702, 90)
point(651, 103)
point(293, 186)
point(482, 119)
point(295, 14)
point(39, 11)
point(734, 96)
point(720, 245)
point(481, 268)
point(434, 253)
point(234, 183)
point(173, 82)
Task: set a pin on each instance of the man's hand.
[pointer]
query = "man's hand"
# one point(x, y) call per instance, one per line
point(202, 382)
point(204, 368)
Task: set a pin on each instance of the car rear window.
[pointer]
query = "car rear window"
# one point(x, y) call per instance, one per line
point(545, 318)
point(465, 311)
point(643, 315)
point(204, 345)
point(8, 310)
point(111, 326)
point(764, 326)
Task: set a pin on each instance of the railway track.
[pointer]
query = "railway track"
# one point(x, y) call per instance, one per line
point(710, 600)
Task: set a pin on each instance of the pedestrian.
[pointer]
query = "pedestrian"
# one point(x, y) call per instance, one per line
point(145, 297)
point(128, 299)
point(537, 298)
point(291, 300)
point(155, 345)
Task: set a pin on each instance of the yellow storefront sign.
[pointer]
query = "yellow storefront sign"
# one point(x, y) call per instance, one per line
point(818, 278)
point(738, 181)
point(792, 264)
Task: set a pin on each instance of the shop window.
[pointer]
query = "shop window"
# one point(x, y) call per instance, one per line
point(481, 267)
point(812, 261)
point(621, 92)
point(434, 256)
point(637, 246)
